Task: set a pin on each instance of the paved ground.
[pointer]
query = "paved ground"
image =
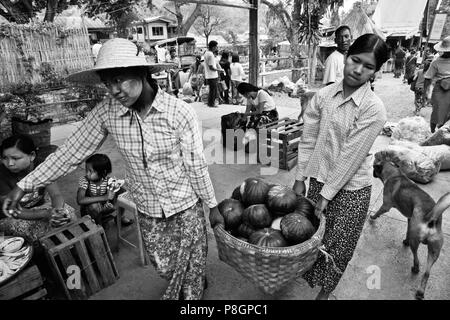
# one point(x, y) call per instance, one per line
point(379, 248)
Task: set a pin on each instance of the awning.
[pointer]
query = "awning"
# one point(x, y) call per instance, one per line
point(173, 41)
point(401, 18)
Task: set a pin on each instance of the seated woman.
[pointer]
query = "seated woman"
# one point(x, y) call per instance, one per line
point(260, 105)
point(33, 219)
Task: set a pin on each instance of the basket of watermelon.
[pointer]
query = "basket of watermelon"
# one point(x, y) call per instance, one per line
point(271, 235)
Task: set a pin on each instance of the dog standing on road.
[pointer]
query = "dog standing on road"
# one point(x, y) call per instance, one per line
point(424, 215)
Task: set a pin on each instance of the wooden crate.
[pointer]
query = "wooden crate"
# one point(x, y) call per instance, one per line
point(283, 134)
point(81, 243)
point(27, 285)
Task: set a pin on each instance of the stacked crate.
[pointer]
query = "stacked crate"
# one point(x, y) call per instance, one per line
point(27, 285)
point(79, 254)
point(282, 135)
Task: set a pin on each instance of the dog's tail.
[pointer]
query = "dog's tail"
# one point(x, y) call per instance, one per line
point(442, 205)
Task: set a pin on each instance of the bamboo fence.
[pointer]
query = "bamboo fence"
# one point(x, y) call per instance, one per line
point(24, 48)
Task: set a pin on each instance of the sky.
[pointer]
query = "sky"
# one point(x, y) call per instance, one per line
point(348, 4)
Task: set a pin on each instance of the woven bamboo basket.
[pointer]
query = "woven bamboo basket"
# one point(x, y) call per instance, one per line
point(269, 268)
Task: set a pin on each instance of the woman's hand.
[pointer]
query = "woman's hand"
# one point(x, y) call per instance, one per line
point(21, 213)
point(215, 217)
point(15, 213)
point(321, 205)
point(299, 187)
point(12, 200)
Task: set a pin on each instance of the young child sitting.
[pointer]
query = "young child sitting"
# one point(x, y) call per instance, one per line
point(94, 195)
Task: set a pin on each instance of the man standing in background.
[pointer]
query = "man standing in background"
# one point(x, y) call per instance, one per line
point(334, 65)
point(212, 69)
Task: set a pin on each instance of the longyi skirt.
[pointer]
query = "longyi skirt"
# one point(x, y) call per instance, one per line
point(345, 217)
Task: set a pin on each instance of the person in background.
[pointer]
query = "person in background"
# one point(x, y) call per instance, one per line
point(34, 216)
point(410, 67)
point(237, 76)
point(437, 85)
point(212, 69)
point(95, 49)
point(197, 76)
point(418, 86)
point(399, 61)
point(340, 126)
point(166, 171)
point(175, 72)
point(94, 196)
point(225, 76)
point(334, 65)
point(427, 55)
point(261, 108)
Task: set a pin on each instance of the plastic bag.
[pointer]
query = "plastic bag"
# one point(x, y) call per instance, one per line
point(415, 129)
point(415, 164)
point(187, 89)
point(441, 136)
point(439, 153)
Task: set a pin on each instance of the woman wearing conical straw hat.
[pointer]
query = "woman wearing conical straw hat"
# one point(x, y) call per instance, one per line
point(167, 175)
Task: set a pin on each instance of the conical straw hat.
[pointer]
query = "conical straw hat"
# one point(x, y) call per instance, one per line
point(117, 53)
point(443, 46)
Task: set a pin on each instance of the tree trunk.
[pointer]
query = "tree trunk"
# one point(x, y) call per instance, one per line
point(293, 34)
point(191, 19)
point(314, 62)
point(179, 17)
point(50, 12)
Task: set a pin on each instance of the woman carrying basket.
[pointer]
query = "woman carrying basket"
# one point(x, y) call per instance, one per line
point(340, 126)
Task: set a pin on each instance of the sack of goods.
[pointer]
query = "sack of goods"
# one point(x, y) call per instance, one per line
point(414, 129)
point(271, 235)
point(187, 89)
point(412, 162)
point(441, 136)
point(438, 153)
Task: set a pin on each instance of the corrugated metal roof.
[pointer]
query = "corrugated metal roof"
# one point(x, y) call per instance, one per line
point(169, 21)
point(162, 18)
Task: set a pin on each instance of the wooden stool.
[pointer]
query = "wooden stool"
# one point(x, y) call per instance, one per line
point(27, 285)
point(82, 244)
point(125, 202)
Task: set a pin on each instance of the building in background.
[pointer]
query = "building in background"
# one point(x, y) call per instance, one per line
point(150, 30)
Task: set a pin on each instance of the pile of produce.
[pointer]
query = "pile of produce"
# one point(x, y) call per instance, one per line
point(14, 253)
point(268, 215)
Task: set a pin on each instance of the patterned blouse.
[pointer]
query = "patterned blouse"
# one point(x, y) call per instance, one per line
point(337, 137)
